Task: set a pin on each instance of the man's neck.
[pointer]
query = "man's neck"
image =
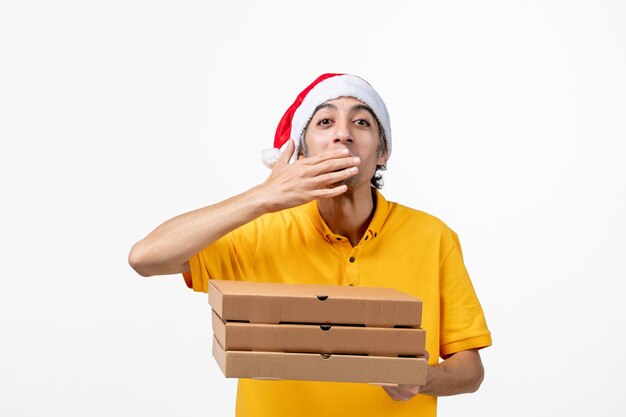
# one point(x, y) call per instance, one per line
point(349, 214)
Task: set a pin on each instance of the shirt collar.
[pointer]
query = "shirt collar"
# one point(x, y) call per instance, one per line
point(373, 230)
point(380, 215)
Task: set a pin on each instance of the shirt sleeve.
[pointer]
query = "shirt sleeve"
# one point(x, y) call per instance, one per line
point(229, 257)
point(463, 324)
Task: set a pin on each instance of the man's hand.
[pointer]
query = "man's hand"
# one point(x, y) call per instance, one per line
point(168, 248)
point(460, 373)
point(307, 179)
point(402, 392)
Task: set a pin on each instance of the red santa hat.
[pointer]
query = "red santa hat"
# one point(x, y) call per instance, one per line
point(326, 87)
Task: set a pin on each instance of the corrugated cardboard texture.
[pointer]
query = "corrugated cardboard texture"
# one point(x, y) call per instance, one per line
point(319, 367)
point(314, 338)
point(304, 303)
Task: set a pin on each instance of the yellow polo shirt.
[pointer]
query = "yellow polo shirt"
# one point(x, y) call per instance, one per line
point(403, 248)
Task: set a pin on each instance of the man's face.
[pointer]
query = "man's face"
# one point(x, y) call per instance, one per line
point(349, 123)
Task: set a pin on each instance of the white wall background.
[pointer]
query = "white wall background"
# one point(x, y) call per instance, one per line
point(509, 124)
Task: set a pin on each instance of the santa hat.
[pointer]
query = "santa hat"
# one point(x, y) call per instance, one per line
point(326, 87)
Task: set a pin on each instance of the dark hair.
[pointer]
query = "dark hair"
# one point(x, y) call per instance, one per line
point(377, 179)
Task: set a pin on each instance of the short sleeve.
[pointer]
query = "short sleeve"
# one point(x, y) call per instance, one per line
point(463, 324)
point(229, 257)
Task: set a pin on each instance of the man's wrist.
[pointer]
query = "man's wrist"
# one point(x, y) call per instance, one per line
point(260, 201)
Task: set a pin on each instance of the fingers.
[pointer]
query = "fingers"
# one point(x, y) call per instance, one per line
point(402, 392)
point(333, 165)
point(395, 393)
point(329, 184)
point(310, 178)
point(337, 176)
point(330, 162)
point(326, 162)
point(333, 154)
point(330, 192)
point(285, 157)
point(327, 169)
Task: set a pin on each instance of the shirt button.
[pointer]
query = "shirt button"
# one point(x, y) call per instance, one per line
point(366, 237)
point(352, 259)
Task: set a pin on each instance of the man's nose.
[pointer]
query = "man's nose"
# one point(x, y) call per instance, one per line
point(343, 133)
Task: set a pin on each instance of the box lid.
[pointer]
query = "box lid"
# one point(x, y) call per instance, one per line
point(274, 303)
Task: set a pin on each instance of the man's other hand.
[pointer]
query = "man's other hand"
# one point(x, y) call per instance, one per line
point(402, 392)
point(461, 373)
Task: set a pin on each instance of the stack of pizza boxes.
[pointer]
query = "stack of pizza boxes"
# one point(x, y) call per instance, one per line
point(317, 332)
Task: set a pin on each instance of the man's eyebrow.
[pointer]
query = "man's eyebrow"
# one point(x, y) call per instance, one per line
point(325, 106)
point(354, 108)
point(357, 107)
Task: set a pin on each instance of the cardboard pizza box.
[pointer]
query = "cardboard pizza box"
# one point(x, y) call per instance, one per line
point(273, 303)
point(320, 367)
point(319, 338)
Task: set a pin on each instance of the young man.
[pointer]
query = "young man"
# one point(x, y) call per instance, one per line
point(317, 219)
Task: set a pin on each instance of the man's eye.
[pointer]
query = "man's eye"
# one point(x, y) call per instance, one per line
point(362, 122)
point(324, 122)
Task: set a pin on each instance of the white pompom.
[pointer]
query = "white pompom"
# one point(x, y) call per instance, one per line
point(270, 157)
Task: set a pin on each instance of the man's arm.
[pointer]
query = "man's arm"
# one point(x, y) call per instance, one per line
point(169, 247)
point(459, 374)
